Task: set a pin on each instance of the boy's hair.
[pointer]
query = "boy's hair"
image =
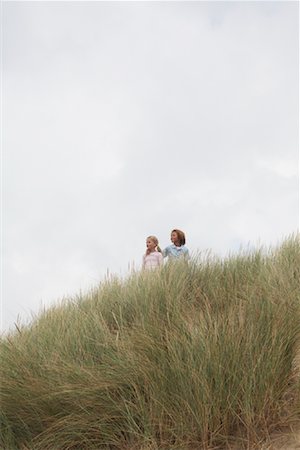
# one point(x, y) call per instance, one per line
point(155, 240)
point(181, 236)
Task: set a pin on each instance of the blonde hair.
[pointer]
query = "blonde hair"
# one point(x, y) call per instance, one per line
point(155, 240)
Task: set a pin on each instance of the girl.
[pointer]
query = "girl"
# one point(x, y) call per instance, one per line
point(153, 257)
point(178, 248)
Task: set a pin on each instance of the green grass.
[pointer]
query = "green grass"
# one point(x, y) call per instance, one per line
point(193, 356)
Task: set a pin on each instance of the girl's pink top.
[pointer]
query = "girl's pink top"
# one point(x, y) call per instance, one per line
point(153, 260)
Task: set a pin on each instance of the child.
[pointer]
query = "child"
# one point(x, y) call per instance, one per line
point(153, 257)
point(177, 249)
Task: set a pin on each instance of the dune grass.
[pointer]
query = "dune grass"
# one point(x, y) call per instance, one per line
point(193, 356)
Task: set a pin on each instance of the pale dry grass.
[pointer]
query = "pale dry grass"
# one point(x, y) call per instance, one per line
point(289, 440)
point(199, 356)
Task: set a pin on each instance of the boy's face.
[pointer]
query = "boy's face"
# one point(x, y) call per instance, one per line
point(174, 237)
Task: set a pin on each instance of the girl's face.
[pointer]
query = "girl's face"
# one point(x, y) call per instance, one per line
point(150, 245)
point(174, 238)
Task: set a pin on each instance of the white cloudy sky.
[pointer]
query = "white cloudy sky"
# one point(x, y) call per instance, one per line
point(125, 119)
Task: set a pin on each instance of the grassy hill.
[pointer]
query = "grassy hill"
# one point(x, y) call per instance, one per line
point(193, 356)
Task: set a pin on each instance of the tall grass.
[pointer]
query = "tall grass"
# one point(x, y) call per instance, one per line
point(193, 356)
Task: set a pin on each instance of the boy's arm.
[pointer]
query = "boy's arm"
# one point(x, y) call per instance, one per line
point(187, 254)
point(165, 252)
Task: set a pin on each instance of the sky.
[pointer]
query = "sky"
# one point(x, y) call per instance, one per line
point(122, 120)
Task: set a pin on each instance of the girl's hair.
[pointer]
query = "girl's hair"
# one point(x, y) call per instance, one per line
point(155, 240)
point(180, 235)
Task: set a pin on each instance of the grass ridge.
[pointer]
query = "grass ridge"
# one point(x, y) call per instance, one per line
point(197, 355)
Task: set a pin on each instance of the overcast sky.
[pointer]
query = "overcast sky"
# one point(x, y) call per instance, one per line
point(126, 119)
